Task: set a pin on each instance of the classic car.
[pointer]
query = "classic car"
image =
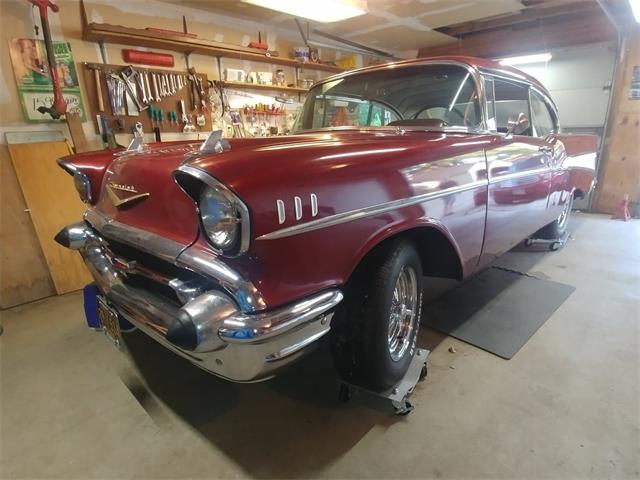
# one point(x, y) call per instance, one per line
point(240, 254)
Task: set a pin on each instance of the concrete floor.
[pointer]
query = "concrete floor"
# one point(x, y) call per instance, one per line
point(567, 405)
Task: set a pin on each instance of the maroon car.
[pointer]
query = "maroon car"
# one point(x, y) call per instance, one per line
point(240, 254)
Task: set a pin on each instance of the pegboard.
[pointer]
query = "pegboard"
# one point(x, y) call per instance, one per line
point(126, 123)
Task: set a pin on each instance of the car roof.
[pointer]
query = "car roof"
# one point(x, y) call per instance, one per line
point(482, 64)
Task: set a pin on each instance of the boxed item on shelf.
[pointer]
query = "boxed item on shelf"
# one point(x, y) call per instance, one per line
point(234, 75)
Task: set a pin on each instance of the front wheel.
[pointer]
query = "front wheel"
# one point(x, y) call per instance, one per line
point(558, 227)
point(374, 332)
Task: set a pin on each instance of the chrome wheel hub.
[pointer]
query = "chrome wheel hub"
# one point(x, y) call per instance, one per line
point(404, 308)
point(564, 215)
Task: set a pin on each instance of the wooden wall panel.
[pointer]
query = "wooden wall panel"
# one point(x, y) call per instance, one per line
point(54, 203)
point(24, 275)
point(620, 164)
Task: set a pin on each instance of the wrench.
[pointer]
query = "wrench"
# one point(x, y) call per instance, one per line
point(165, 83)
point(146, 81)
point(163, 88)
point(155, 86)
point(140, 80)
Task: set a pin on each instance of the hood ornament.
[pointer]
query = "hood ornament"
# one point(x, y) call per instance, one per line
point(122, 202)
point(136, 145)
point(215, 143)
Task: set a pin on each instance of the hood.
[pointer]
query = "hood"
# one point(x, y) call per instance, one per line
point(328, 164)
point(151, 199)
point(253, 161)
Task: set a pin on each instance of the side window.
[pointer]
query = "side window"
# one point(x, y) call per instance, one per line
point(543, 120)
point(511, 107)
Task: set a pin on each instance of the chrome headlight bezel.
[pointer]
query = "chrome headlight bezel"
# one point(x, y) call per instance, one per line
point(243, 236)
point(219, 217)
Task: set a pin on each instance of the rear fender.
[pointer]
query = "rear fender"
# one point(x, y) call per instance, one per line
point(581, 151)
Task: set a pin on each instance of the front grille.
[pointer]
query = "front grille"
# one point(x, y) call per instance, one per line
point(147, 272)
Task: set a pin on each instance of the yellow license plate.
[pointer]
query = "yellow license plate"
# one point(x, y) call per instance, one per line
point(109, 321)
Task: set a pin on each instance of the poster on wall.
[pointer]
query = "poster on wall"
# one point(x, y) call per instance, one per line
point(634, 91)
point(31, 69)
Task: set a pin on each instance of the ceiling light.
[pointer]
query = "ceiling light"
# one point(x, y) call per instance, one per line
point(525, 59)
point(320, 11)
point(635, 8)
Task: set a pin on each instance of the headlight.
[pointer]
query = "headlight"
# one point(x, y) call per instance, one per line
point(220, 217)
point(83, 186)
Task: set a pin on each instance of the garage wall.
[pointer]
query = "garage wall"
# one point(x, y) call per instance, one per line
point(619, 174)
point(578, 79)
point(23, 273)
point(16, 21)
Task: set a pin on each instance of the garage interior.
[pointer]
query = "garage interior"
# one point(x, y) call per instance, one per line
point(565, 403)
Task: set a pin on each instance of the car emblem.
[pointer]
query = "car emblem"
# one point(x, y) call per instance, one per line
point(122, 202)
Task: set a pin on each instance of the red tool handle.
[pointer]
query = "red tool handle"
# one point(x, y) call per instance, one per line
point(59, 106)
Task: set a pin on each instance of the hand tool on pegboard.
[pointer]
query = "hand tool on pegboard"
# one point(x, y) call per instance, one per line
point(59, 106)
point(129, 76)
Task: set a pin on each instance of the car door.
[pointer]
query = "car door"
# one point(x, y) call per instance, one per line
point(518, 165)
point(545, 126)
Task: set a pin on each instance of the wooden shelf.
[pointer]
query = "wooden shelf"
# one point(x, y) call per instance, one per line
point(137, 37)
point(257, 86)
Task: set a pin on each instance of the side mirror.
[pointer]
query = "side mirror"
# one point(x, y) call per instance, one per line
point(519, 125)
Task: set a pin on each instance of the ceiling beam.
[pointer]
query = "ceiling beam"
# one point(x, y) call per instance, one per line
point(541, 11)
point(530, 38)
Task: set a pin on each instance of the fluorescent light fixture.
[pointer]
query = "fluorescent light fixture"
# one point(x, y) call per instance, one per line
point(526, 59)
point(319, 10)
point(635, 8)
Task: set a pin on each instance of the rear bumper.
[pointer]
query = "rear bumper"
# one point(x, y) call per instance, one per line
point(210, 330)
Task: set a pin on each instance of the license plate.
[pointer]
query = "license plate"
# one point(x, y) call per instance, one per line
point(109, 321)
point(519, 191)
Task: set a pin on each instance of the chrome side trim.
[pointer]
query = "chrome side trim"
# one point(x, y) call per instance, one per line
point(245, 220)
point(359, 213)
point(314, 205)
point(512, 176)
point(298, 206)
point(282, 215)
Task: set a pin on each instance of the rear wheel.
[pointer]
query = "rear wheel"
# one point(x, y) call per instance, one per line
point(374, 331)
point(558, 227)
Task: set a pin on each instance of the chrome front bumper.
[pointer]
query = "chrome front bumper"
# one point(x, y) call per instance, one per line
point(210, 330)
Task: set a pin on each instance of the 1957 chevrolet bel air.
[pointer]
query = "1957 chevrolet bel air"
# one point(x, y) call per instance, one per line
point(240, 254)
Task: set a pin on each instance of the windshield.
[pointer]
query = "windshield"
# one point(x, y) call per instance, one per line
point(429, 95)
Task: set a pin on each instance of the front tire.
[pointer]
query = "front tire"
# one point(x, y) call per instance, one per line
point(374, 332)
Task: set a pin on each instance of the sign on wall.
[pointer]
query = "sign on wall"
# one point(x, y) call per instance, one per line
point(31, 71)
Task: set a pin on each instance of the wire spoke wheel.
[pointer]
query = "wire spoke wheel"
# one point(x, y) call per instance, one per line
point(404, 306)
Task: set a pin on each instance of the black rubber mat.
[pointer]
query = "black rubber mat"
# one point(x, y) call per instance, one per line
point(497, 310)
